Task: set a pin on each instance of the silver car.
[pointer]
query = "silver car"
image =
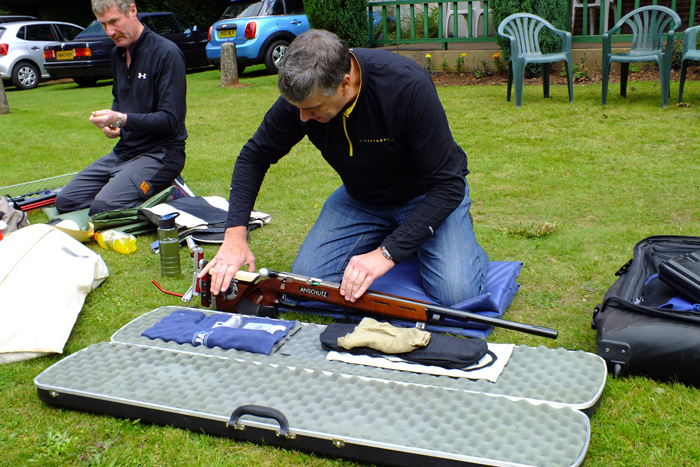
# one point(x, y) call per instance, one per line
point(22, 49)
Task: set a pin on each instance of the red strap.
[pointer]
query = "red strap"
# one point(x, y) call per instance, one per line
point(165, 291)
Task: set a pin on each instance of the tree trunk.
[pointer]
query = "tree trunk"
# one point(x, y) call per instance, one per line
point(4, 106)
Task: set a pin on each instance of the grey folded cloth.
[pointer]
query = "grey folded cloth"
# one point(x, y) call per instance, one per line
point(384, 337)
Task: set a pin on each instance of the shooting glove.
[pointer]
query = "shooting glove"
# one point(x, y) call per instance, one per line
point(384, 337)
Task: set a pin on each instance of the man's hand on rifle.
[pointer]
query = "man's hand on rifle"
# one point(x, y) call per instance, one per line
point(233, 254)
point(362, 270)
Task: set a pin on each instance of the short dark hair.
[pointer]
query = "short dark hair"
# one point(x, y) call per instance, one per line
point(316, 61)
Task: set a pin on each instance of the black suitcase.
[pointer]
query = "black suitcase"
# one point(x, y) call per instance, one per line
point(635, 334)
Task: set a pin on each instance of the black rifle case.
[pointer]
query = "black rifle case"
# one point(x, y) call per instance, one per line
point(296, 399)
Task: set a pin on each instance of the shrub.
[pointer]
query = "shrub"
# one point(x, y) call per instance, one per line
point(322, 14)
point(346, 18)
point(352, 23)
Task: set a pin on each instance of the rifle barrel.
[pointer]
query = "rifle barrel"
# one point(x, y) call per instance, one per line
point(498, 322)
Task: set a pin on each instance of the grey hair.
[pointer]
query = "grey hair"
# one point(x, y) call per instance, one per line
point(100, 6)
point(316, 61)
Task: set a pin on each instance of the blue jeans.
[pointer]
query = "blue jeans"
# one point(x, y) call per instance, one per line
point(452, 264)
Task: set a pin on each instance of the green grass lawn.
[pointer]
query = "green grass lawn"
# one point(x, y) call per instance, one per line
point(567, 189)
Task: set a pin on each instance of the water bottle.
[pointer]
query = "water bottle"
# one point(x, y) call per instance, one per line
point(169, 245)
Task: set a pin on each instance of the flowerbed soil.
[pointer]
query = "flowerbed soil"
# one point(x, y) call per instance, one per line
point(594, 77)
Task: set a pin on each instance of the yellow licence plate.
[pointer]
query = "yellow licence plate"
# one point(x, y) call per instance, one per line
point(227, 33)
point(64, 55)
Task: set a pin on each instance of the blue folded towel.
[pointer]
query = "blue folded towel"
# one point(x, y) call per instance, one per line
point(258, 335)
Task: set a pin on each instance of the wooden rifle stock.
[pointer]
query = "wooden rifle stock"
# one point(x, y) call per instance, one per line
point(267, 292)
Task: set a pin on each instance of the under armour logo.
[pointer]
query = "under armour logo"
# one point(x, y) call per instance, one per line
point(142, 76)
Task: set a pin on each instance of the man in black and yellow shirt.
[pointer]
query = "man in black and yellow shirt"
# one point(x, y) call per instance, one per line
point(377, 119)
point(147, 115)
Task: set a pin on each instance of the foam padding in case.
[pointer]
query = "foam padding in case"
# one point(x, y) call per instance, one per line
point(557, 376)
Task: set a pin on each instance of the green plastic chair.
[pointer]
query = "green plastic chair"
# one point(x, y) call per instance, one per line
point(690, 52)
point(648, 25)
point(523, 30)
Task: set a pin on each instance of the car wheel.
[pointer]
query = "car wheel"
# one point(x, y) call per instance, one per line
point(25, 75)
point(274, 55)
point(86, 82)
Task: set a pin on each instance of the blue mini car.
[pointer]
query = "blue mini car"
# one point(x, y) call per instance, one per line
point(261, 31)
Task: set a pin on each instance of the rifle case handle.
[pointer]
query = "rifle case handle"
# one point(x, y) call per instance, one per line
point(260, 411)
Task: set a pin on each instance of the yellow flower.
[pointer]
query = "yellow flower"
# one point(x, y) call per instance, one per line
point(496, 55)
point(464, 55)
point(428, 56)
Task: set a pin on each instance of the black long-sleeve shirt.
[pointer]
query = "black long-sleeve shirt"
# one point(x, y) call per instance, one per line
point(393, 145)
point(152, 91)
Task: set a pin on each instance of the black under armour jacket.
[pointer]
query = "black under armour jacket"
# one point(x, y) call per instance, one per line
point(152, 92)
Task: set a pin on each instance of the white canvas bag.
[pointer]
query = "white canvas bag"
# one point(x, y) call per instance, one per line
point(45, 276)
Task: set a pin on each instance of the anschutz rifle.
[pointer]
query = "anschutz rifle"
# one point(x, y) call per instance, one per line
point(249, 296)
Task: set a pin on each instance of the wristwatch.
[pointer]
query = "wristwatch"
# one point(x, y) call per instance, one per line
point(386, 253)
point(118, 123)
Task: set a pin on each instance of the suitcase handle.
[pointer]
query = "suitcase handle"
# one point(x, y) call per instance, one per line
point(260, 411)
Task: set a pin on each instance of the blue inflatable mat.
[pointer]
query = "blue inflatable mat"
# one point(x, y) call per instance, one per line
point(403, 280)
